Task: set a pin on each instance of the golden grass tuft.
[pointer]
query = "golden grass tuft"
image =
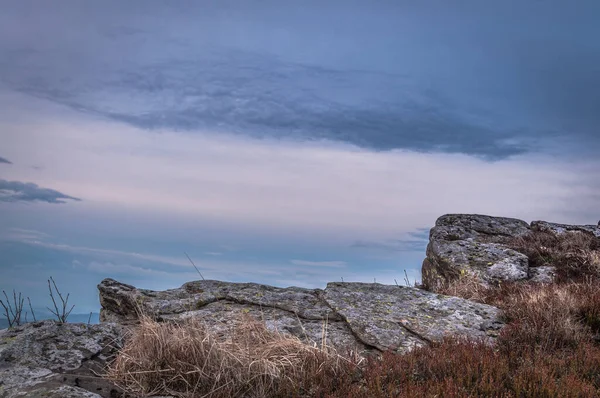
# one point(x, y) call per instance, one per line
point(184, 359)
point(467, 286)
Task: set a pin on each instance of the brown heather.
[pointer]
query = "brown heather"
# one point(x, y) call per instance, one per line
point(576, 255)
point(549, 348)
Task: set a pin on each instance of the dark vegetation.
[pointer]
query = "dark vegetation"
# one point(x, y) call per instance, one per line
point(13, 310)
point(549, 348)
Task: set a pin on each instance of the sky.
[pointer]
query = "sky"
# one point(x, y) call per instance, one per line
point(285, 143)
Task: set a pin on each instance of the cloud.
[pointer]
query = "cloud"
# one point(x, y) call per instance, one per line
point(423, 78)
point(290, 131)
point(22, 234)
point(271, 187)
point(16, 191)
point(418, 243)
point(234, 94)
point(3, 160)
point(333, 264)
point(107, 253)
point(396, 246)
point(108, 268)
point(145, 269)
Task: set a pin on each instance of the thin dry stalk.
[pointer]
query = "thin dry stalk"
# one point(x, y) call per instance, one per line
point(61, 314)
point(31, 308)
point(466, 286)
point(197, 270)
point(13, 311)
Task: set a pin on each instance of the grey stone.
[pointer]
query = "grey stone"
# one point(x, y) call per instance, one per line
point(475, 244)
point(364, 318)
point(401, 318)
point(54, 360)
point(490, 262)
point(559, 229)
point(62, 391)
point(543, 274)
point(451, 227)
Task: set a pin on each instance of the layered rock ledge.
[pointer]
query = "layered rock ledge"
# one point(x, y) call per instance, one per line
point(363, 317)
point(477, 245)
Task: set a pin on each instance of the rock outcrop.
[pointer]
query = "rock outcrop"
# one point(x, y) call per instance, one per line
point(476, 245)
point(49, 359)
point(363, 317)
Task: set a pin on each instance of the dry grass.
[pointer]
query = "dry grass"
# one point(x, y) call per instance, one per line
point(549, 348)
point(551, 317)
point(456, 368)
point(575, 254)
point(186, 360)
point(467, 286)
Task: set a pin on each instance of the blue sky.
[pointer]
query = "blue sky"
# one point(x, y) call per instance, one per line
point(283, 143)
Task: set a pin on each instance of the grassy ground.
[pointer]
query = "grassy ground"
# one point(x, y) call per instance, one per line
point(550, 347)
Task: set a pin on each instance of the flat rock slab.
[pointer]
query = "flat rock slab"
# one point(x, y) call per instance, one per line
point(123, 300)
point(361, 317)
point(400, 318)
point(479, 227)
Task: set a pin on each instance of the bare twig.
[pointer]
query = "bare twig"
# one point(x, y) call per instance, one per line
point(62, 314)
point(13, 315)
point(31, 308)
point(194, 266)
point(406, 280)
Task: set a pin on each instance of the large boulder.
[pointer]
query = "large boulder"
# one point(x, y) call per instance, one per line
point(476, 245)
point(364, 317)
point(473, 244)
point(50, 359)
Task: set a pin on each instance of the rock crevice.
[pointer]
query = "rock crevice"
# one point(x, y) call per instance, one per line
point(360, 316)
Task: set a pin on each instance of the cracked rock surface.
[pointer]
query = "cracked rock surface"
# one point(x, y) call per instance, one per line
point(49, 359)
point(363, 317)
